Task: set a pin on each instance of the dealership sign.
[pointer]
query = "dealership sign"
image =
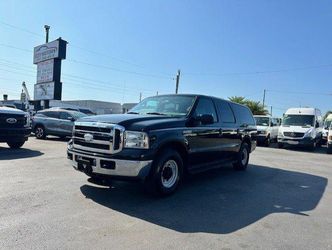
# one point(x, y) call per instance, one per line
point(45, 71)
point(47, 91)
point(48, 58)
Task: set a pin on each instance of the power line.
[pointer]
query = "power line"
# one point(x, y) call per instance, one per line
point(98, 65)
point(70, 76)
point(299, 92)
point(73, 45)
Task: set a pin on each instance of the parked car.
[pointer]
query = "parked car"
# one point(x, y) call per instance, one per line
point(267, 129)
point(58, 122)
point(82, 110)
point(329, 140)
point(162, 138)
point(301, 127)
point(15, 126)
point(327, 123)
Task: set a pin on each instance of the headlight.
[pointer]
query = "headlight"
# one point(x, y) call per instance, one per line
point(264, 132)
point(133, 139)
point(330, 138)
point(280, 134)
point(27, 120)
point(308, 133)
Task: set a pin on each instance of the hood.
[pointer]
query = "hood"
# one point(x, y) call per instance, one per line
point(262, 128)
point(12, 111)
point(137, 122)
point(297, 129)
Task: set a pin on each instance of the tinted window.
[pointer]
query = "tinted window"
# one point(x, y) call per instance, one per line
point(65, 116)
point(243, 115)
point(51, 114)
point(226, 113)
point(206, 107)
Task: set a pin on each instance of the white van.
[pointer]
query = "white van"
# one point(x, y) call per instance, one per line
point(267, 129)
point(329, 140)
point(302, 127)
point(327, 123)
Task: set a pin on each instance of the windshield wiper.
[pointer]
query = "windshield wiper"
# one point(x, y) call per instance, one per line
point(154, 113)
point(133, 113)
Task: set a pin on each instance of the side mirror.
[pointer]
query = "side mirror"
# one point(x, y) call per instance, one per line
point(206, 119)
point(271, 124)
point(317, 125)
point(72, 119)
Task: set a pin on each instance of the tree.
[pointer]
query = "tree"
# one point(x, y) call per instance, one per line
point(255, 106)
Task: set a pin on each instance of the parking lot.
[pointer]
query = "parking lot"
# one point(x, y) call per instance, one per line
point(283, 201)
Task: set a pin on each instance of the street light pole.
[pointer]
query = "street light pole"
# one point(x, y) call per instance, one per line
point(47, 29)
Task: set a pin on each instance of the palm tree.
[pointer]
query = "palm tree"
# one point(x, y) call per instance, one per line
point(255, 106)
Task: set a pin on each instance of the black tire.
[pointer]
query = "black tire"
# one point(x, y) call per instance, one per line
point(313, 146)
point(242, 158)
point(280, 145)
point(40, 132)
point(329, 150)
point(267, 141)
point(15, 145)
point(166, 173)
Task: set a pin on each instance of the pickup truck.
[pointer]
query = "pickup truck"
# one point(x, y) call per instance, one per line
point(163, 138)
point(15, 127)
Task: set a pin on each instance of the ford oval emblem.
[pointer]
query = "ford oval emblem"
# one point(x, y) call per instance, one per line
point(11, 120)
point(88, 137)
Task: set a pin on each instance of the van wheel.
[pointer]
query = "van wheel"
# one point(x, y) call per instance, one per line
point(329, 150)
point(40, 132)
point(15, 145)
point(267, 141)
point(313, 146)
point(242, 158)
point(166, 173)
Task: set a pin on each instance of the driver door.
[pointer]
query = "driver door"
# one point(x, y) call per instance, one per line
point(66, 123)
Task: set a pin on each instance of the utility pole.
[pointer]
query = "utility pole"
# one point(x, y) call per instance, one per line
point(157, 92)
point(177, 81)
point(140, 96)
point(271, 111)
point(264, 97)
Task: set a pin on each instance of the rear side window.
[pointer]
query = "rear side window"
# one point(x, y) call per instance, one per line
point(225, 111)
point(65, 116)
point(51, 114)
point(243, 114)
point(206, 107)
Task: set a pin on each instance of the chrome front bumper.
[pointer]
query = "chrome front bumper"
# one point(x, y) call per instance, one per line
point(120, 168)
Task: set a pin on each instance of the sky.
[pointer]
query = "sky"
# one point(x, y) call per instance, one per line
point(119, 49)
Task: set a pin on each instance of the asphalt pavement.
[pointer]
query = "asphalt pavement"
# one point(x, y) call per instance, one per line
point(283, 201)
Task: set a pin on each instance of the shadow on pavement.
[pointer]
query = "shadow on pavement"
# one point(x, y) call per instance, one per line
point(12, 154)
point(220, 201)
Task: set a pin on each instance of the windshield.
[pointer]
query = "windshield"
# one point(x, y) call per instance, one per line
point(164, 105)
point(262, 121)
point(299, 120)
point(327, 123)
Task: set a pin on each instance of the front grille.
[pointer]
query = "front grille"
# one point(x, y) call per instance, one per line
point(98, 137)
point(294, 134)
point(20, 121)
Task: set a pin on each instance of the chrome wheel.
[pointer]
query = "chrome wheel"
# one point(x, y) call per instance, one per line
point(169, 173)
point(39, 132)
point(244, 156)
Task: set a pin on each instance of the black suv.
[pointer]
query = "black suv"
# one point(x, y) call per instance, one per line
point(162, 138)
